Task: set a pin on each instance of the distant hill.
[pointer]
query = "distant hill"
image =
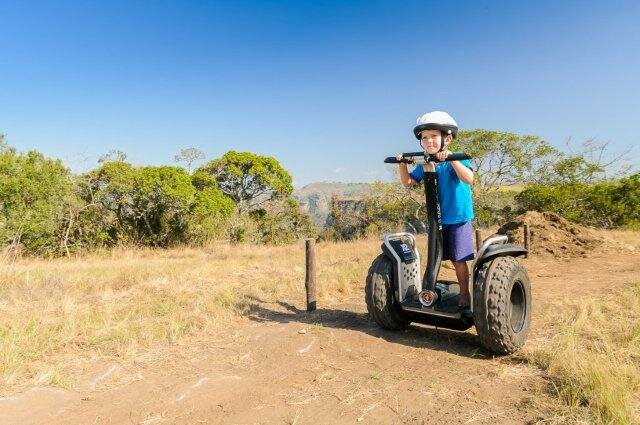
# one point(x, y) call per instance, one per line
point(315, 198)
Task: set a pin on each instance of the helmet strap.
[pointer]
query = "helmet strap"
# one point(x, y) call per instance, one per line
point(443, 136)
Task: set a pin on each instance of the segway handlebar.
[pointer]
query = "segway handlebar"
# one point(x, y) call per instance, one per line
point(421, 158)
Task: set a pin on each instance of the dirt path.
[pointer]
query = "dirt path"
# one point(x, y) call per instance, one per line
point(282, 365)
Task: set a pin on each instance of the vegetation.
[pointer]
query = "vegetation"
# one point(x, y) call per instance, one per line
point(513, 174)
point(245, 197)
point(36, 199)
point(605, 204)
point(250, 179)
point(591, 358)
point(58, 314)
point(46, 210)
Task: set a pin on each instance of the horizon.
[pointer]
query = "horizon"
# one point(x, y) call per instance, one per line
point(329, 89)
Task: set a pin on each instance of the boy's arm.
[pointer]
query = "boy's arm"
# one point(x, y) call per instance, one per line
point(463, 172)
point(405, 178)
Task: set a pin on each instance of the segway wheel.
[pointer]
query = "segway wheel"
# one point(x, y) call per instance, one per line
point(379, 289)
point(502, 305)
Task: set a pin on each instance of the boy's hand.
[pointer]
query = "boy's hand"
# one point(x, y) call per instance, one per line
point(399, 157)
point(443, 155)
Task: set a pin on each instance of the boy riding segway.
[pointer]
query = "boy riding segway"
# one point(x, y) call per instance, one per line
point(435, 131)
point(498, 302)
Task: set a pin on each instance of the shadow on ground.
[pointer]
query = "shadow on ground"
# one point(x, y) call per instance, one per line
point(464, 344)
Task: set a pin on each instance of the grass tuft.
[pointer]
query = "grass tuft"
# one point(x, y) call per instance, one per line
point(593, 360)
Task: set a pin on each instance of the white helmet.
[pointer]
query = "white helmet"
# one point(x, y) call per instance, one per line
point(436, 120)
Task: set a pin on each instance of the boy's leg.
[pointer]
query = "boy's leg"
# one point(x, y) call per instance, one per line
point(462, 273)
point(459, 242)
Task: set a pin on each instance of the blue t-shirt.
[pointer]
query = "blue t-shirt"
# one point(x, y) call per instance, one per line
point(456, 202)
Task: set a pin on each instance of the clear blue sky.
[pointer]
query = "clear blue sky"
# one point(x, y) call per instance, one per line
point(327, 87)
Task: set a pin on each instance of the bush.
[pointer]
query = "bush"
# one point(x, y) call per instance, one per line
point(35, 198)
point(606, 204)
point(495, 208)
point(282, 223)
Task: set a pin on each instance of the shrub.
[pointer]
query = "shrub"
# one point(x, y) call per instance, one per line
point(605, 204)
point(35, 198)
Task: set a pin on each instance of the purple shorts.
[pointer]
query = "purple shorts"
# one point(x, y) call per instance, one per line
point(457, 241)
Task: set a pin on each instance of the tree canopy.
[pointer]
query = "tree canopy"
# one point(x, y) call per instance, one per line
point(34, 196)
point(250, 179)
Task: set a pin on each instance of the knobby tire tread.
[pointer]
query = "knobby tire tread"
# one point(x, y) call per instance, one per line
point(379, 296)
point(491, 300)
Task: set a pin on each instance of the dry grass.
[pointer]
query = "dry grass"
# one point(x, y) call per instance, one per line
point(592, 358)
point(625, 239)
point(57, 313)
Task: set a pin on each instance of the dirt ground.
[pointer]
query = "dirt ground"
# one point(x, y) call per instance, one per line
point(282, 365)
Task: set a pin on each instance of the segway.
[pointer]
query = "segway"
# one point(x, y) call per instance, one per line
point(397, 295)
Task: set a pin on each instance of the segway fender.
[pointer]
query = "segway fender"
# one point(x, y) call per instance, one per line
point(494, 247)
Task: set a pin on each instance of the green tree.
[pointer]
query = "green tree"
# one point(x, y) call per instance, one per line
point(592, 162)
point(250, 179)
point(614, 203)
point(35, 194)
point(209, 199)
point(157, 206)
point(110, 217)
point(162, 197)
point(282, 222)
point(210, 210)
point(503, 159)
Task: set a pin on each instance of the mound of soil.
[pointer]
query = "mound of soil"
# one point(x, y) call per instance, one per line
point(551, 234)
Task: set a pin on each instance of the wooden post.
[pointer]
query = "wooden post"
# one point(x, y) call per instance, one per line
point(478, 240)
point(526, 239)
point(310, 278)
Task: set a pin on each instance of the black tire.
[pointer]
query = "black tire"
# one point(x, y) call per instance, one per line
point(502, 305)
point(378, 294)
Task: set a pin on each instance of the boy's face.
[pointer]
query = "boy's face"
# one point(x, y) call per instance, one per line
point(430, 141)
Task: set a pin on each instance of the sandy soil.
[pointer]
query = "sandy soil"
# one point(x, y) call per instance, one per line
point(283, 365)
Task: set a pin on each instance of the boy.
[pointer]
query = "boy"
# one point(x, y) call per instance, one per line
point(435, 131)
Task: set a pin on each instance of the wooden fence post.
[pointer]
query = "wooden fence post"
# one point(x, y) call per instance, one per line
point(310, 277)
point(526, 239)
point(478, 240)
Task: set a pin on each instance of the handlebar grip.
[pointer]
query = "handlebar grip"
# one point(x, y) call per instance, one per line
point(458, 157)
point(394, 160)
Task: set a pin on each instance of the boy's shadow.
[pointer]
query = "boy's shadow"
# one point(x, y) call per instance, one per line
point(419, 336)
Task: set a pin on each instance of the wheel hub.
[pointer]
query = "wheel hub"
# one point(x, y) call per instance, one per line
point(517, 306)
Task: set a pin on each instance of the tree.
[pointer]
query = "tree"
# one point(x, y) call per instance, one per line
point(591, 163)
point(35, 193)
point(250, 179)
point(608, 204)
point(210, 209)
point(108, 190)
point(162, 197)
point(282, 222)
point(189, 156)
point(502, 158)
point(145, 205)
point(113, 155)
